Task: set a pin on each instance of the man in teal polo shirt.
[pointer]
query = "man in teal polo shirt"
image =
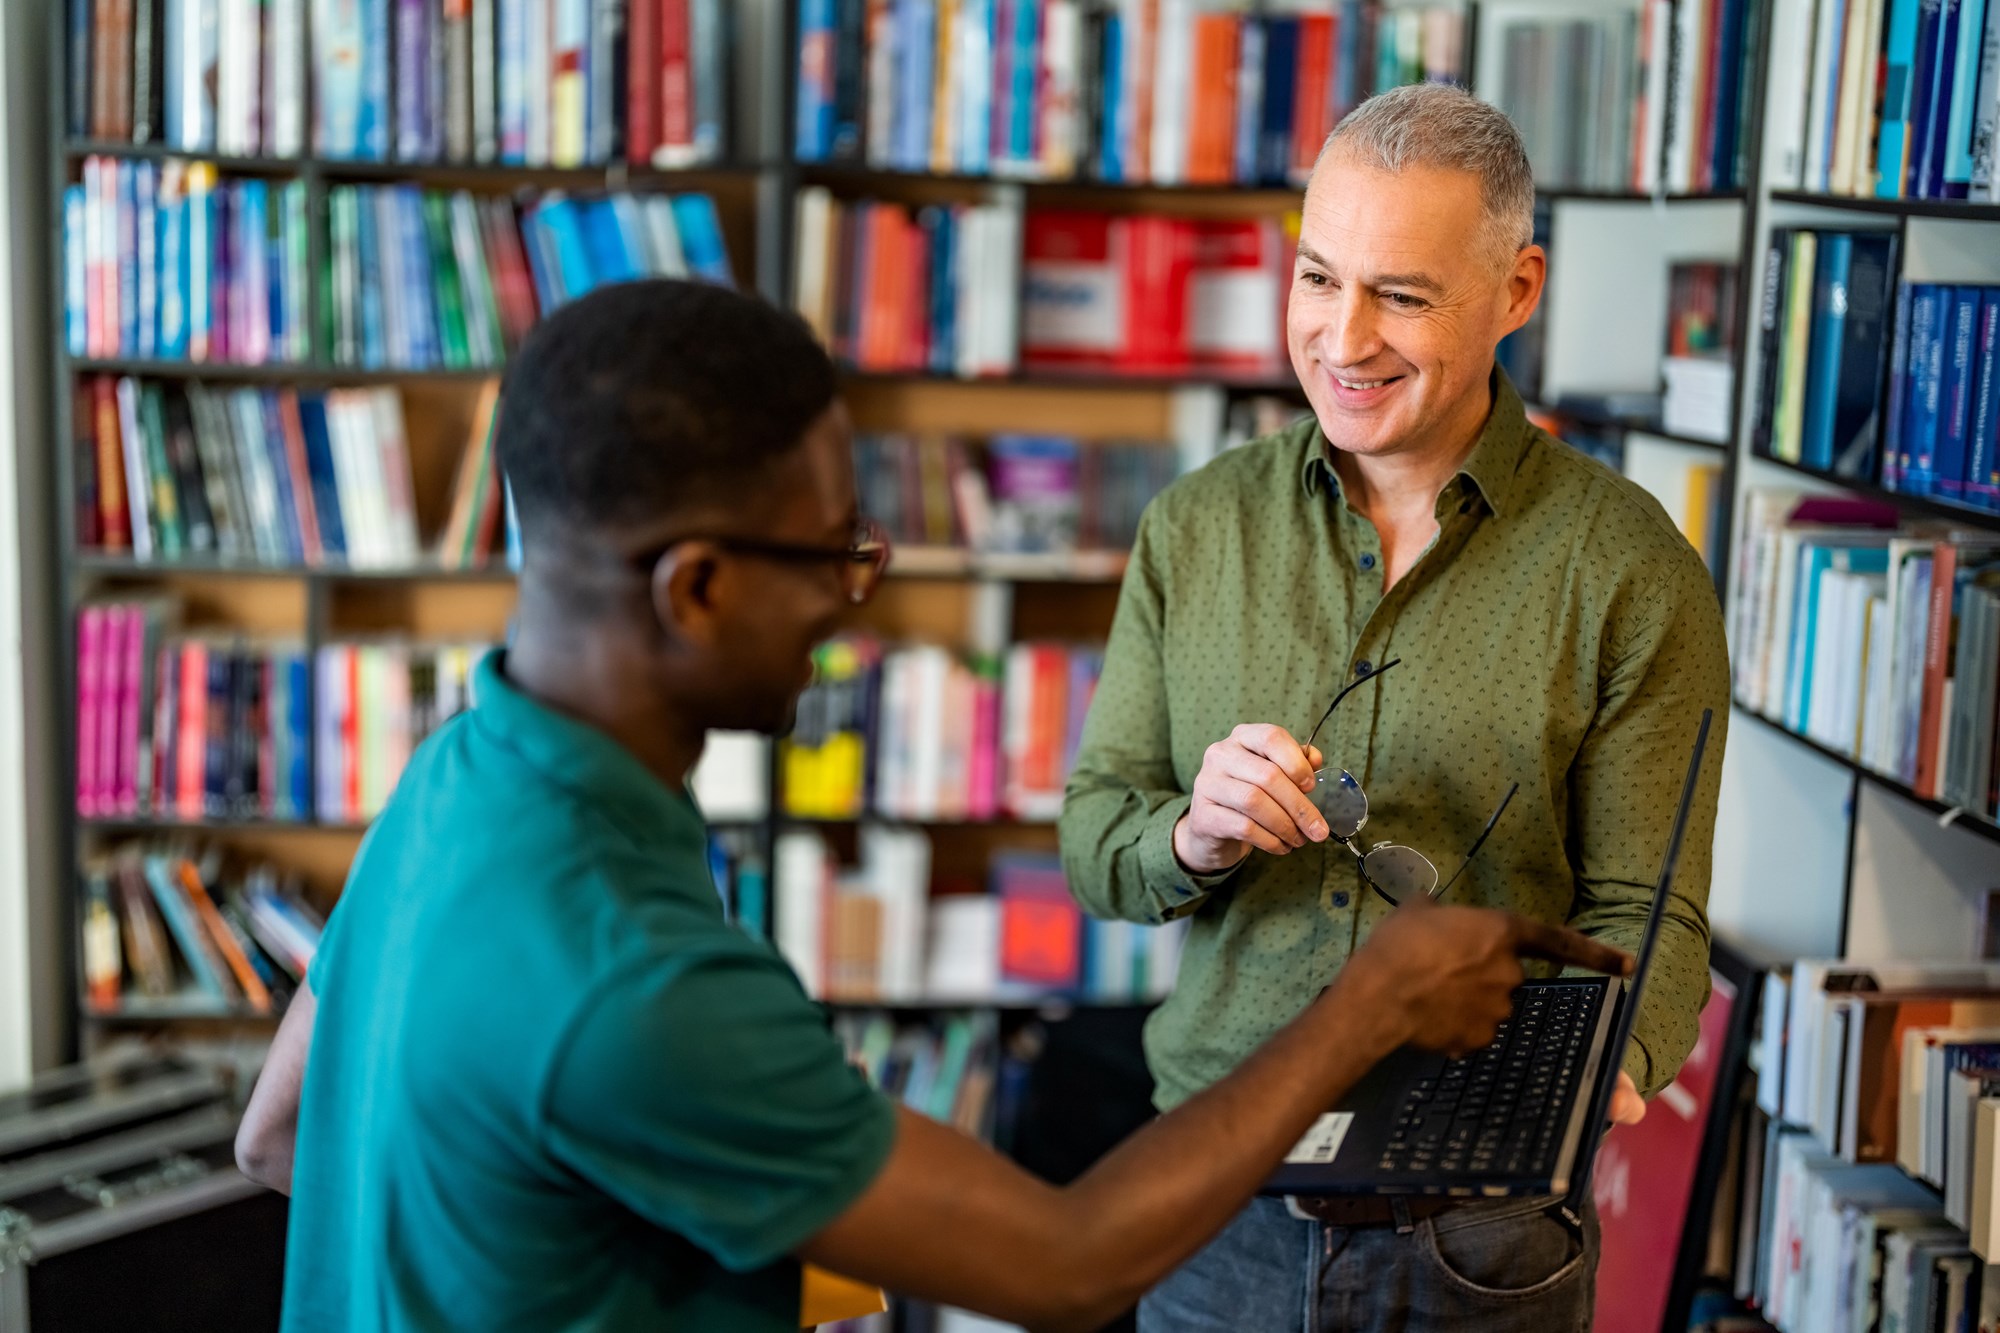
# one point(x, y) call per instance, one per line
point(537, 1080)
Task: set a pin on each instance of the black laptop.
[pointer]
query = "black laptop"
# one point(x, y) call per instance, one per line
point(1517, 1118)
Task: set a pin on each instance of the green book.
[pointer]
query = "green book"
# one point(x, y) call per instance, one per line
point(169, 532)
point(481, 304)
point(450, 292)
point(298, 274)
point(339, 304)
point(1788, 422)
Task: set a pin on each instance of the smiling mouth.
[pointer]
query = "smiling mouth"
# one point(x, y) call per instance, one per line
point(1361, 384)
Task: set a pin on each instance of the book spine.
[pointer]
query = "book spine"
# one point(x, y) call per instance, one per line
point(1983, 469)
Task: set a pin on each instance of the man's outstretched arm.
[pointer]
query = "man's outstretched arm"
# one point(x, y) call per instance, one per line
point(265, 1139)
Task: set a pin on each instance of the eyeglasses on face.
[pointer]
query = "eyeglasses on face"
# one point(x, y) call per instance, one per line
point(1393, 871)
point(861, 561)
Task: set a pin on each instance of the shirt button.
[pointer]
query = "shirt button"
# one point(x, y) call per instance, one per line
point(1340, 898)
point(1363, 667)
point(1368, 560)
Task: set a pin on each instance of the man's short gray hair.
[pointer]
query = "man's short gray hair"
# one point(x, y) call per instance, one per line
point(1443, 126)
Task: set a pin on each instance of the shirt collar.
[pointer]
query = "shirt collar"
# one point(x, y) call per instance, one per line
point(1492, 468)
point(586, 763)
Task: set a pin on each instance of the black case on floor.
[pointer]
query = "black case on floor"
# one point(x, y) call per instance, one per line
point(121, 1207)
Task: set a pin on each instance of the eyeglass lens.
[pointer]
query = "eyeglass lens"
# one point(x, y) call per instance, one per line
point(1399, 873)
point(1339, 797)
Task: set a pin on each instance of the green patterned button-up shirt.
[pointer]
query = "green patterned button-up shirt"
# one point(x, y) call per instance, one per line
point(1559, 632)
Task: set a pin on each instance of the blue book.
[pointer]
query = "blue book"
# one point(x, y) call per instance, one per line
point(1895, 458)
point(325, 483)
point(1864, 326)
point(1957, 173)
point(128, 258)
point(817, 41)
point(1722, 160)
point(1829, 317)
point(376, 110)
point(1927, 176)
point(146, 221)
point(1955, 391)
point(1249, 102)
point(916, 29)
point(174, 280)
point(1024, 68)
point(290, 528)
point(422, 292)
point(1929, 312)
point(1923, 95)
point(181, 922)
point(1814, 562)
point(1110, 148)
point(540, 249)
point(76, 297)
point(253, 219)
point(1899, 56)
point(368, 260)
point(298, 725)
point(944, 293)
point(562, 226)
point(1982, 468)
point(701, 239)
point(1281, 59)
point(1348, 88)
point(604, 242)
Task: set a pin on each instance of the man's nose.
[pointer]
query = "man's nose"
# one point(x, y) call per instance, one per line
point(1351, 334)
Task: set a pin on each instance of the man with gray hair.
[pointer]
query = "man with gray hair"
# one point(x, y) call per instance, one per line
point(1550, 626)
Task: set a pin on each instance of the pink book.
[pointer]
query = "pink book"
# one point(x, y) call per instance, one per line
point(129, 714)
point(111, 720)
point(89, 670)
point(985, 776)
point(191, 746)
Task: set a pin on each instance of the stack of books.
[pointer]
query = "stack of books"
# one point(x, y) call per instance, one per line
point(268, 476)
point(1942, 435)
point(1157, 295)
point(179, 726)
point(1699, 371)
point(1602, 107)
point(1166, 92)
point(1895, 99)
point(425, 280)
point(921, 733)
point(934, 290)
point(1823, 324)
point(162, 260)
point(377, 702)
point(1878, 641)
point(167, 929)
point(949, 1068)
point(1040, 494)
point(878, 932)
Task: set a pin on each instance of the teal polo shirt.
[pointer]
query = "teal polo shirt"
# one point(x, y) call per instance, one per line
point(550, 1086)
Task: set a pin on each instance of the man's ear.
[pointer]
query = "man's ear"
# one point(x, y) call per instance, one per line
point(1524, 286)
point(687, 588)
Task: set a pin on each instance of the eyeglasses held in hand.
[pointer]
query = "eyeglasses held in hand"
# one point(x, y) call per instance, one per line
point(1394, 871)
point(862, 561)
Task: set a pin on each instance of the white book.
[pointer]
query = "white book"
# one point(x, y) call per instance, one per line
point(1986, 114)
point(802, 872)
point(391, 278)
point(260, 481)
point(930, 699)
point(891, 745)
point(536, 82)
point(1173, 100)
point(357, 510)
point(663, 238)
point(1001, 344)
point(1822, 100)
point(1876, 684)
point(1062, 49)
point(285, 78)
point(137, 492)
point(1853, 171)
point(1985, 1179)
point(884, 91)
point(972, 238)
point(897, 865)
point(398, 488)
point(1691, 25)
point(239, 70)
point(812, 260)
point(1793, 24)
point(1961, 1164)
point(973, 71)
point(482, 309)
point(1659, 30)
point(485, 80)
point(1771, 1040)
point(731, 780)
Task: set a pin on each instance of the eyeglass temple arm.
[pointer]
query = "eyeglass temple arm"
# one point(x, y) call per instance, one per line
point(1350, 688)
point(1479, 842)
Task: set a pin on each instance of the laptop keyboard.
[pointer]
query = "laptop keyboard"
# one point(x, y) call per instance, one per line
point(1494, 1112)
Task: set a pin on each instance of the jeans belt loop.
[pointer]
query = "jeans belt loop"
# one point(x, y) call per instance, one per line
point(1399, 1209)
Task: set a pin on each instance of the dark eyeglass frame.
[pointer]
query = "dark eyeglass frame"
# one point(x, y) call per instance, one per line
point(1347, 840)
point(862, 561)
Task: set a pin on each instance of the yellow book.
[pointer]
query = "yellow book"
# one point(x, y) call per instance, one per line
point(1788, 425)
point(944, 96)
point(1701, 481)
point(566, 133)
point(828, 1298)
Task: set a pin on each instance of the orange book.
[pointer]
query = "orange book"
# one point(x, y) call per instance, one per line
point(1212, 133)
point(193, 743)
point(116, 518)
point(1310, 111)
point(1139, 153)
point(254, 991)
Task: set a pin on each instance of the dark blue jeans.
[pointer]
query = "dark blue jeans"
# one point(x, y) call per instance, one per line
point(1504, 1266)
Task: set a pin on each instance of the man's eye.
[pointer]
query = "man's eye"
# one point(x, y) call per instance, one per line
point(1403, 300)
point(1316, 279)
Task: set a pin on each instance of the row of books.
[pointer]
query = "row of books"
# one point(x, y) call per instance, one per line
point(920, 732)
point(1878, 641)
point(951, 1068)
point(376, 703)
point(1822, 327)
point(1016, 493)
point(1943, 421)
point(1156, 295)
point(1895, 99)
point(887, 288)
point(186, 726)
point(163, 259)
point(274, 476)
point(876, 931)
point(171, 929)
point(425, 279)
point(511, 81)
point(1885, 1076)
point(1156, 91)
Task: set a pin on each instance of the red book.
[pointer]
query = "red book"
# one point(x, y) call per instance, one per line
point(191, 782)
point(1238, 275)
point(1073, 276)
point(676, 80)
point(350, 733)
point(1311, 104)
point(1212, 131)
point(878, 288)
point(642, 83)
point(301, 476)
point(1041, 929)
point(1158, 260)
point(1937, 667)
point(917, 298)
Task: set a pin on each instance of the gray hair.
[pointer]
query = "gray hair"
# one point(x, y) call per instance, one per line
point(1443, 126)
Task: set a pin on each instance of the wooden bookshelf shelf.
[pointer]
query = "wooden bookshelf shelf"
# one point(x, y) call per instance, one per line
point(1925, 505)
point(126, 567)
point(272, 372)
point(145, 824)
point(608, 175)
point(1908, 208)
point(75, 150)
point(1043, 377)
point(1960, 817)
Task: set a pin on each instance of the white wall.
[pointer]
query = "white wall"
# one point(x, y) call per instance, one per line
point(32, 1013)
